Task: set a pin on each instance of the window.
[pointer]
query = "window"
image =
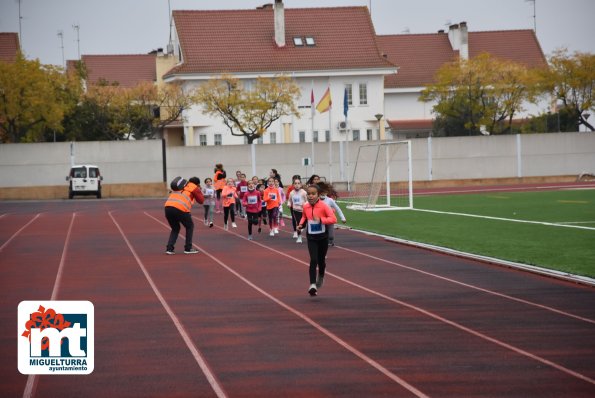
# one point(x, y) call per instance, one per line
point(273, 137)
point(327, 135)
point(297, 41)
point(369, 134)
point(310, 41)
point(349, 88)
point(355, 135)
point(218, 139)
point(93, 172)
point(315, 136)
point(203, 139)
point(260, 140)
point(302, 136)
point(363, 94)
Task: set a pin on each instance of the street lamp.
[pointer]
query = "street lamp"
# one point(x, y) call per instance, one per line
point(378, 117)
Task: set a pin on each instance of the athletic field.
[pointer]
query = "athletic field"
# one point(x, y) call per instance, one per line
point(236, 320)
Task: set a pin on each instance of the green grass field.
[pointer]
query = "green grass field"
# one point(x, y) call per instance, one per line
point(556, 247)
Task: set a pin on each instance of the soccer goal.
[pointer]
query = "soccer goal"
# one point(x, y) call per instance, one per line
point(382, 178)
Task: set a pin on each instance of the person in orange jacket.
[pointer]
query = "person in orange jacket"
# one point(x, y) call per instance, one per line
point(273, 200)
point(177, 211)
point(317, 216)
point(219, 181)
point(229, 196)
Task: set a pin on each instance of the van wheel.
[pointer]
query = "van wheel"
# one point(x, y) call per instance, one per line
point(98, 194)
point(70, 194)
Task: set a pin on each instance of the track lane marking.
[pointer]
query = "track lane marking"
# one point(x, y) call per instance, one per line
point(198, 357)
point(427, 313)
point(18, 232)
point(309, 320)
point(531, 303)
point(32, 380)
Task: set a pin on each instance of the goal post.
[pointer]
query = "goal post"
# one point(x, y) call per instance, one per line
point(382, 178)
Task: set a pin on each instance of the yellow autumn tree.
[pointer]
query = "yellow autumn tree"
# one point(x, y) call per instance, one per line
point(249, 111)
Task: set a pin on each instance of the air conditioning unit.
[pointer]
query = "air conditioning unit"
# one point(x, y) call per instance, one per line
point(343, 126)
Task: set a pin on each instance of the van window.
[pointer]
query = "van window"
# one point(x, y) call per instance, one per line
point(79, 172)
point(93, 172)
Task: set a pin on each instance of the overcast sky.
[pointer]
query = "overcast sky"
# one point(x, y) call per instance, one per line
point(139, 26)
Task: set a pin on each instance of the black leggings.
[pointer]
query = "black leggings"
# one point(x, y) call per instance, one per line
point(317, 250)
point(296, 216)
point(227, 211)
point(253, 219)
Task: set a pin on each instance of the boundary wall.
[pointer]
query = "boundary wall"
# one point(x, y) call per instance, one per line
point(141, 168)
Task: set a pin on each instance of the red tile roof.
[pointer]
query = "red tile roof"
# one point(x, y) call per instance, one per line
point(235, 41)
point(127, 70)
point(9, 46)
point(419, 56)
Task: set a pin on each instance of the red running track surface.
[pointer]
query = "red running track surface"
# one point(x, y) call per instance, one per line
point(235, 320)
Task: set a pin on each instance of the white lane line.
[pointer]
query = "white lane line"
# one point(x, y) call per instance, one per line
point(31, 385)
point(202, 363)
point(531, 303)
point(434, 316)
point(505, 219)
point(18, 232)
point(310, 321)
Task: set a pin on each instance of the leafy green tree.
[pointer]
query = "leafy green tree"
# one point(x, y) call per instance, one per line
point(249, 112)
point(33, 99)
point(482, 91)
point(571, 80)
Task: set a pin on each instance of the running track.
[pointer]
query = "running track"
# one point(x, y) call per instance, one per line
point(236, 321)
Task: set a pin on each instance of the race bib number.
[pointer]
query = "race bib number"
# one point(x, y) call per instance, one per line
point(230, 195)
point(297, 200)
point(252, 200)
point(209, 192)
point(244, 188)
point(273, 196)
point(263, 203)
point(315, 228)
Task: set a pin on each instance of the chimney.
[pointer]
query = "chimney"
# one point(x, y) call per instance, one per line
point(279, 23)
point(459, 39)
point(464, 41)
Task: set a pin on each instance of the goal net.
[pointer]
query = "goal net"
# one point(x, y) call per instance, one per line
point(382, 178)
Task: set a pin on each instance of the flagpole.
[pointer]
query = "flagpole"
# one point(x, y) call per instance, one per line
point(330, 144)
point(312, 111)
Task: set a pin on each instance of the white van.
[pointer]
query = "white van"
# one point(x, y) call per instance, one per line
point(84, 180)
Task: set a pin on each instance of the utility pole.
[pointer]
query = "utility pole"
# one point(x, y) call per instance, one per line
point(78, 40)
point(61, 36)
point(534, 15)
point(20, 30)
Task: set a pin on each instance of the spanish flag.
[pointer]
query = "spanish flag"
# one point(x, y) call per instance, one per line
point(325, 102)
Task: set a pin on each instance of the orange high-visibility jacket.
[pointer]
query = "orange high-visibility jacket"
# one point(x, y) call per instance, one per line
point(180, 200)
point(219, 180)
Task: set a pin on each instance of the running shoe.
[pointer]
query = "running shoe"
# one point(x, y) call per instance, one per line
point(319, 281)
point(249, 237)
point(272, 233)
point(313, 291)
point(299, 239)
point(225, 227)
point(191, 251)
point(234, 225)
point(295, 235)
point(170, 252)
point(210, 225)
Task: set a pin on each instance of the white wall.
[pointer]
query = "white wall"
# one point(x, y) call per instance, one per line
point(554, 154)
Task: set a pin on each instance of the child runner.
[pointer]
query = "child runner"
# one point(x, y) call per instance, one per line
point(281, 196)
point(263, 212)
point(271, 197)
point(228, 197)
point(242, 187)
point(209, 193)
point(252, 202)
point(219, 181)
point(296, 200)
point(327, 192)
point(316, 218)
point(314, 179)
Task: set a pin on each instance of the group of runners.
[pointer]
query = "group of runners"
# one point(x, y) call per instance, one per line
point(312, 209)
